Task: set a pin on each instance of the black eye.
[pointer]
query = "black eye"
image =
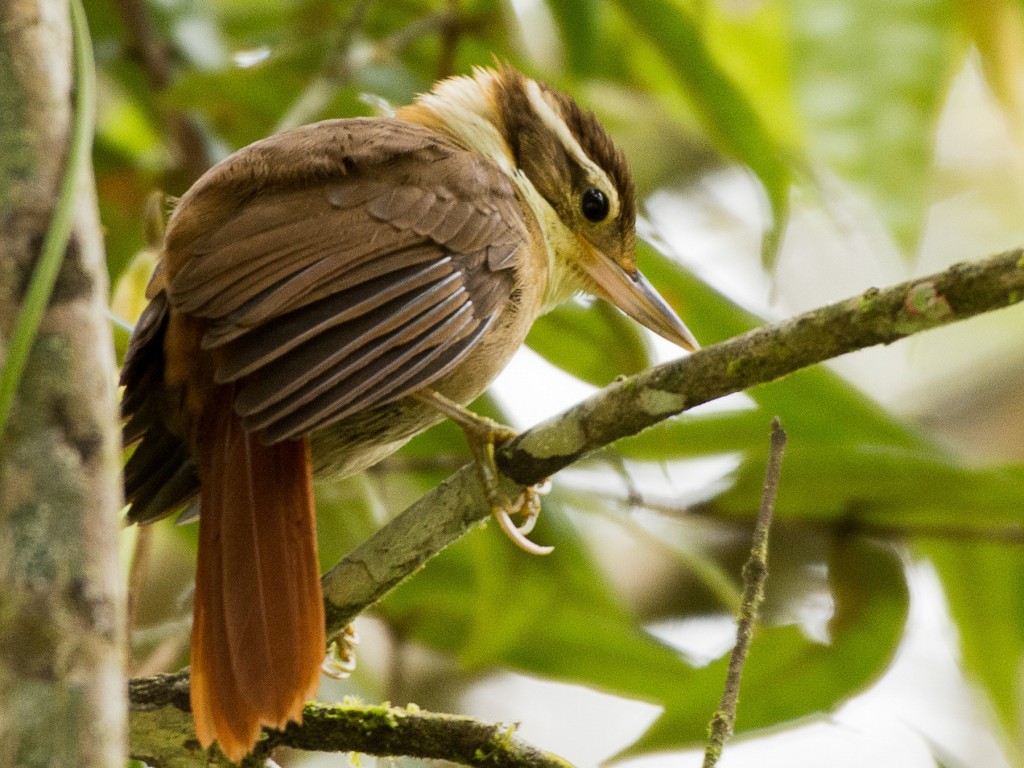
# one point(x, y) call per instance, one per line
point(594, 204)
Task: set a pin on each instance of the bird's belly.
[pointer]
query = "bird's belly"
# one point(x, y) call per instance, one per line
point(363, 439)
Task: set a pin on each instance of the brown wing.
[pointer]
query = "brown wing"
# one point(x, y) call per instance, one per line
point(353, 284)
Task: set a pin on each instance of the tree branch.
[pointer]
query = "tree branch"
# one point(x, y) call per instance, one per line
point(61, 603)
point(160, 708)
point(632, 404)
point(191, 154)
point(877, 316)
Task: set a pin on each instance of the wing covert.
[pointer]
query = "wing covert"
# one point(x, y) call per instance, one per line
point(327, 296)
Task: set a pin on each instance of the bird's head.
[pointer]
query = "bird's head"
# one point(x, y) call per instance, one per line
point(574, 178)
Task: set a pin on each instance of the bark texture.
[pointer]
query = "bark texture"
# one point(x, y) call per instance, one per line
point(61, 668)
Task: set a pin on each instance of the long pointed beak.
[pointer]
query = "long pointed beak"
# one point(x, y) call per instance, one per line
point(635, 296)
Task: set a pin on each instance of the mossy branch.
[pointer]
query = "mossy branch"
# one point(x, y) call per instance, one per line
point(161, 733)
point(877, 316)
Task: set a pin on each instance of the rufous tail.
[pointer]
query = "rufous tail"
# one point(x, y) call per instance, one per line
point(258, 627)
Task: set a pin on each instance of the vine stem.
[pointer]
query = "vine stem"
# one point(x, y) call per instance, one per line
point(58, 234)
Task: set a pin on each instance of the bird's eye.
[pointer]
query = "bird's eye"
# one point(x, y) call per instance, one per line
point(594, 204)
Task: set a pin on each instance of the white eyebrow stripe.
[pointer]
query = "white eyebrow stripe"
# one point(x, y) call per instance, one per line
point(557, 126)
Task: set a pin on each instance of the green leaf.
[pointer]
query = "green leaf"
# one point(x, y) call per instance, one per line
point(849, 416)
point(727, 113)
point(870, 76)
point(578, 23)
point(751, 44)
point(982, 587)
point(347, 512)
point(491, 605)
point(594, 343)
point(882, 485)
point(242, 104)
point(994, 28)
point(788, 676)
point(691, 436)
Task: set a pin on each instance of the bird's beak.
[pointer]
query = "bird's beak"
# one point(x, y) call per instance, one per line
point(634, 295)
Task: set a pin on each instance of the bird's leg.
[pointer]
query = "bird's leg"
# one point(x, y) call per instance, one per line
point(482, 435)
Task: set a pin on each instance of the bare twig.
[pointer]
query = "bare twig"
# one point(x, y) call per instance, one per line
point(848, 525)
point(137, 572)
point(165, 653)
point(191, 154)
point(338, 70)
point(450, 36)
point(413, 465)
point(754, 574)
point(335, 73)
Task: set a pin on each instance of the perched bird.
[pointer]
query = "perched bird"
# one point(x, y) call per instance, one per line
point(320, 295)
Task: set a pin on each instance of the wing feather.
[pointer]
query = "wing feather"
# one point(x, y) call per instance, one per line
point(355, 287)
point(412, 367)
point(278, 333)
point(299, 374)
point(350, 375)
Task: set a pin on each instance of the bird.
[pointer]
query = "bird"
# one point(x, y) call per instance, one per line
point(322, 296)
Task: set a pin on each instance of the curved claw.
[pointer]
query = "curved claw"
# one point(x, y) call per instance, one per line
point(340, 661)
point(528, 507)
point(337, 668)
point(518, 536)
point(528, 524)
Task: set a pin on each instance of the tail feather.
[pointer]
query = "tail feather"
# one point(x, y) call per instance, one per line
point(258, 635)
point(160, 477)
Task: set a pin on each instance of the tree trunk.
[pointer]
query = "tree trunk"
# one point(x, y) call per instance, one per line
point(61, 671)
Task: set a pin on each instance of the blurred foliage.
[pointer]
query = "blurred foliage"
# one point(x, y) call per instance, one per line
point(803, 93)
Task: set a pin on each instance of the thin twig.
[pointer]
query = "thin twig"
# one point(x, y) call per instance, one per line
point(414, 465)
point(450, 36)
point(754, 574)
point(191, 154)
point(441, 22)
point(335, 73)
point(137, 572)
point(165, 654)
point(338, 70)
point(149, 49)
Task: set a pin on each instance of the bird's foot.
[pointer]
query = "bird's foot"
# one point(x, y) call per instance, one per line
point(483, 435)
point(340, 661)
point(527, 506)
